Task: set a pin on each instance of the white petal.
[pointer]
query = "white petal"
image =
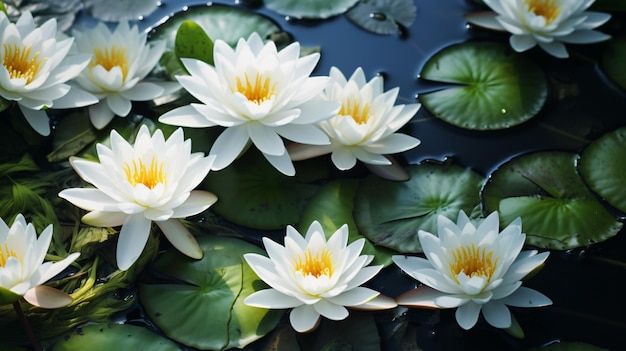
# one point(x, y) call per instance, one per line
point(180, 238)
point(555, 48)
point(143, 92)
point(354, 297)
point(46, 297)
point(265, 139)
point(197, 202)
point(525, 297)
point(423, 296)
point(132, 240)
point(76, 97)
point(497, 314)
point(485, 19)
point(521, 43)
point(271, 298)
point(330, 310)
point(228, 146)
point(104, 219)
point(467, 315)
point(303, 318)
point(282, 163)
point(343, 158)
point(38, 119)
point(118, 104)
point(100, 114)
point(584, 37)
point(185, 116)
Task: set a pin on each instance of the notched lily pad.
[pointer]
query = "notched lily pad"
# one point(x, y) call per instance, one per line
point(612, 61)
point(391, 213)
point(602, 167)
point(383, 16)
point(205, 309)
point(556, 208)
point(310, 9)
point(227, 23)
point(108, 336)
point(332, 206)
point(253, 194)
point(492, 87)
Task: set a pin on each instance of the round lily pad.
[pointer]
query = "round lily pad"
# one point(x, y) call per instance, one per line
point(383, 16)
point(546, 192)
point(253, 194)
point(491, 86)
point(332, 206)
point(205, 308)
point(109, 336)
point(227, 23)
point(601, 166)
point(612, 61)
point(310, 9)
point(390, 213)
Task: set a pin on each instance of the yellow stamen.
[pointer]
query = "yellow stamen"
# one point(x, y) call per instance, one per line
point(473, 261)
point(320, 263)
point(547, 9)
point(258, 91)
point(20, 63)
point(353, 108)
point(149, 176)
point(5, 254)
point(111, 57)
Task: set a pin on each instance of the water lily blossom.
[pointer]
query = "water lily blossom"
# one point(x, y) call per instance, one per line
point(315, 277)
point(135, 185)
point(259, 94)
point(547, 23)
point(34, 69)
point(115, 76)
point(473, 269)
point(22, 270)
point(365, 126)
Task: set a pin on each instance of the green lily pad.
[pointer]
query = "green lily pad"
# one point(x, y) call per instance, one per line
point(253, 194)
point(310, 9)
point(492, 87)
point(332, 206)
point(206, 310)
point(383, 16)
point(193, 42)
point(612, 61)
point(391, 213)
point(556, 208)
point(119, 10)
point(227, 23)
point(601, 166)
point(108, 336)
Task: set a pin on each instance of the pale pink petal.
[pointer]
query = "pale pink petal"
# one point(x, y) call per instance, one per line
point(46, 297)
point(178, 235)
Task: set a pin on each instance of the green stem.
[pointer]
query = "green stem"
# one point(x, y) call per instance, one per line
point(22, 317)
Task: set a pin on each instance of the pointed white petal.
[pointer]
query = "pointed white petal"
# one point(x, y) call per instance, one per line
point(271, 298)
point(180, 238)
point(304, 318)
point(497, 314)
point(467, 315)
point(132, 240)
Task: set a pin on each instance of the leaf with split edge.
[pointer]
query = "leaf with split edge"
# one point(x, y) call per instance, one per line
point(492, 86)
point(602, 166)
point(391, 213)
point(193, 42)
point(332, 206)
point(206, 310)
point(565, 217)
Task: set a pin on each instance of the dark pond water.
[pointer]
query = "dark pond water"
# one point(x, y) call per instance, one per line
point(585, 284)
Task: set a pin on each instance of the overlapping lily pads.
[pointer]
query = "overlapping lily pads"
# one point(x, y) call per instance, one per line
point(491, 86)
point(206, 310)
point(391, 213)
point(602, 167)
point(556, 208)
point(310, 9)
point(383, 16)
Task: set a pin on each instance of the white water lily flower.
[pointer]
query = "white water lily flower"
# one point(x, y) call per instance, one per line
point(22, 270)
point(120, 61)
point(473, 269)
point(315, 277)
point(150, 181)
point(34, 67)
point(258, 94)
point(365, 126)
point(547, 23)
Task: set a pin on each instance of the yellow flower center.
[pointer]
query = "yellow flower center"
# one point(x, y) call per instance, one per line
point(258, 90)
point(473, 261)
point(5, 254)
point(20, 63)
point(320, 263)
point(140, 173)
point(110, 58)
point(353, 108)
point(547, 9)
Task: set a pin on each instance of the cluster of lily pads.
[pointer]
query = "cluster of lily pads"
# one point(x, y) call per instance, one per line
point(253, 106)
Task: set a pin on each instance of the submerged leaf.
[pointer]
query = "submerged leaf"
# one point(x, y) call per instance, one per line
point(383, 16)
point(612, 61)
point(310, 9)
point(492, 87)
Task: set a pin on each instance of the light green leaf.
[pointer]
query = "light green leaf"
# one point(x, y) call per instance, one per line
point(193, 42)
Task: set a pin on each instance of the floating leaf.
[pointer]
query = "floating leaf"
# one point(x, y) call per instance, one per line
point(383, 16)
point(252, 193)
point(556, 208)
point(120, 10)
point(310, 9)
point(612, 61)
point(357, 332)
point(206, 310)
point(218, 22)
point(108, 336)
point(390, 213)
point(332, 206)
point(193, 42)
point(602, 167)
point(493, 87)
